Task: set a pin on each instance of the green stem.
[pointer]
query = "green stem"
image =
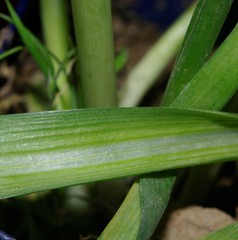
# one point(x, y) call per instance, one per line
point(94, 40)
point(55, 27)
point(54, 17)
point(96, 67)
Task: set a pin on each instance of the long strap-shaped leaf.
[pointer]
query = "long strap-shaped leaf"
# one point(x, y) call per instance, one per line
point(200, 38)
point(37, 50)
point(47, 150)
point(115, 229)
point(229, 232)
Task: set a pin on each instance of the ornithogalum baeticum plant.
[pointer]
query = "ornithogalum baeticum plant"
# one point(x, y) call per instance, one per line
point(92, 137)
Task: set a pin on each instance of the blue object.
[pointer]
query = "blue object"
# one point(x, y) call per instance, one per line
point(160, 12)
point(5, 236)
point(9, 31)
point(21, 7)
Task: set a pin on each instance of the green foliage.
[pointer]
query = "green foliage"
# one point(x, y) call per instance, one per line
point(35, 47)
point(198, 43)
point(229, 232)
point(10, 52)
point(201, 35)
point(5, 17)
point(219, 76)
point(121, 60)
point(48, 150)
point(142, 77)
point(57, 149)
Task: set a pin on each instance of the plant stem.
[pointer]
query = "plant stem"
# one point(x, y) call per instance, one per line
point(94, 40)
point(96, 64)
point(54, 17)
point(55, 27)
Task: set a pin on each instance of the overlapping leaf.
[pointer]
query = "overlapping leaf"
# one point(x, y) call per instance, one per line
point(205, 25)
point(229, 232)
point(54, 149)
point(35, 47)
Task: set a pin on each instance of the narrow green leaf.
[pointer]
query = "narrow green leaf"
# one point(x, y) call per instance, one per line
point(121, 60)
point(5, 17)
point(150, 186)
point(62, 65)
point(10, 52)
point(129, 226)
point(205, 25)
point(229, 232)
point(41, 151)
point(38, 51)
point(200, 38)
point(136, 196)
point(218, 79)
point(142, 77)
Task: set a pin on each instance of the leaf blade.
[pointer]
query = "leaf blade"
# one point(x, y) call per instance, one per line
point(38, 51)
point(219, 75)
point(228, 232)
point(201, 35)
point(199, 41)
point(52, 149)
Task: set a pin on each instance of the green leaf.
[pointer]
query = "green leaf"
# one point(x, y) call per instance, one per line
point(10, 52)
point(218, 79)
point(129, 226)
point(200, 38)
point(121, 60)
point(229, 232)
point(142, 77)
point(205, 25)
point(38, 51)
point(62, 65)
point(5, 17)
point(41, 151)
point(150, 186)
